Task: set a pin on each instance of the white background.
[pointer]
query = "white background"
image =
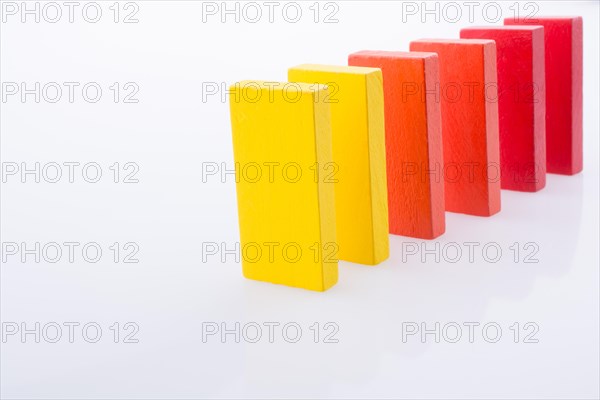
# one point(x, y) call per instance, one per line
point(171, 292)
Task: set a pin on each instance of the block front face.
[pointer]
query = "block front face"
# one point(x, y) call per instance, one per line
point(469, 123)
point(521, 103)
point(563, 38)
point(413, 140)
point(286, 212)
point(357, 121)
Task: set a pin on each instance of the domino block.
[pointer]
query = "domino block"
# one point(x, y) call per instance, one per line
point(521, 103)
point(413, 137)
point(286, 215)
point(563, 38)
point(469, 123)
point(357, 125)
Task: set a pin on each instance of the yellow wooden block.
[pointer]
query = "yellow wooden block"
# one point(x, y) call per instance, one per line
point(358, 129)
point(282, 145)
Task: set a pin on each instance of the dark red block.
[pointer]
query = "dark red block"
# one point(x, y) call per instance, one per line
point(521, 103)
point(564, 91)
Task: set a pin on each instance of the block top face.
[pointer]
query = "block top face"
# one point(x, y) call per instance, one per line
point(395, 54)
point(277, 86)
point(337, 69)
point(534, 21)
point(480, 42)
point(522, 28)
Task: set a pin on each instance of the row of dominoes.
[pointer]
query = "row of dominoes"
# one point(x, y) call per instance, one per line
point(331, 162)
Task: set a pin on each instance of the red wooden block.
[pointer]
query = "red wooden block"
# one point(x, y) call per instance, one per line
point(413, 138)
point(521, 103)
point(469, 123)
point(563, 38)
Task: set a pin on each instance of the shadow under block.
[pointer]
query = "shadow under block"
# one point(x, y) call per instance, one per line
point(413, 138)
point(469, 123)
point(563, 38)
point(286, 215)
point(521, 103)
point(358, 130)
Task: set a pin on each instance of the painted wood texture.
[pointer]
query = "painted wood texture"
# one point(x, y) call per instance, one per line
point(287, 217)
point(521, 103)
point(469, 123)
point(358, 130)
point(413, 136)
point(563, 38)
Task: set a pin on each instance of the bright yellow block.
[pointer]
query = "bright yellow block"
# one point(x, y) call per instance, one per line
point(358, 129)
point(282, 142)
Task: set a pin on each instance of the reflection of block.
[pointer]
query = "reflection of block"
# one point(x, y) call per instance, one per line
point(413, 137)
point(469, 123)
point(287, 216)
point(563, 38)
point(357, 124)
point(521, 103)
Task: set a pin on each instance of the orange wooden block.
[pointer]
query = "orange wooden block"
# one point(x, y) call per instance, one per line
point(413, 138)
point(468, 94)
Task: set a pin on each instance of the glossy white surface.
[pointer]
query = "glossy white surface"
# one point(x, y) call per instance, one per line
point(171, 292)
